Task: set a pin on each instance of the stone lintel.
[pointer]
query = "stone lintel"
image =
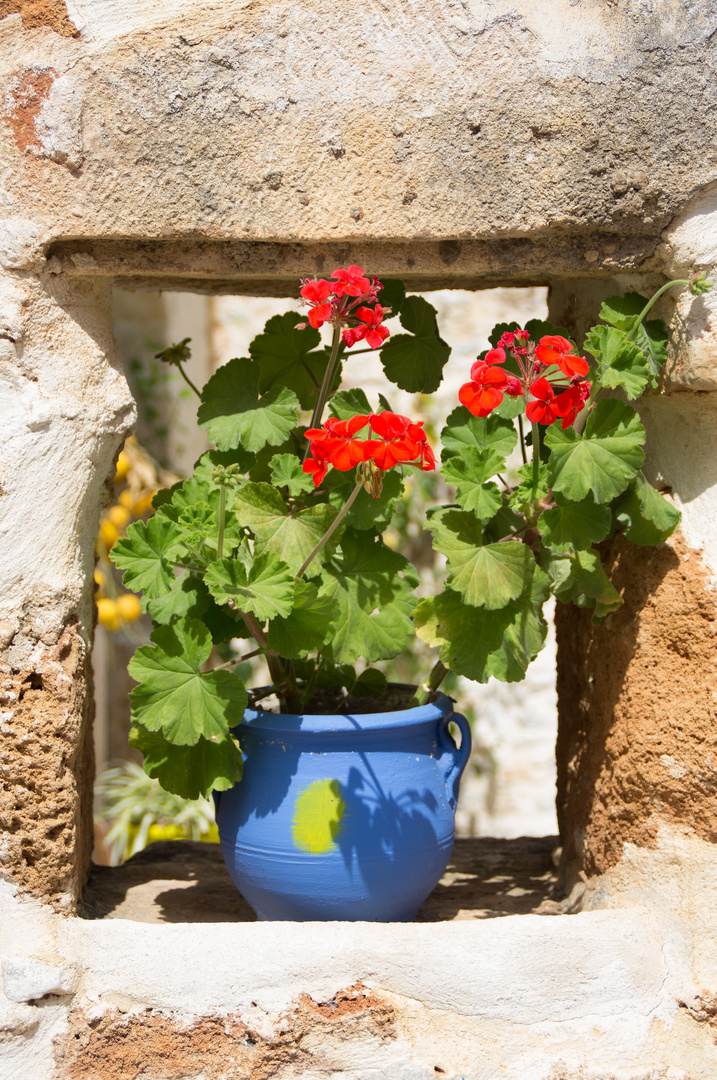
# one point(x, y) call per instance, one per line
point(272, 268)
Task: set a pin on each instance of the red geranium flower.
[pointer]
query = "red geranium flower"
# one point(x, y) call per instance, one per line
point(554, 349)
point(399, 440)
point(318, 465)
point(571, 402)
point(374, 334)
point(544, 410)
point(483, 393)
point(335, 441)
point(351, 281)
point(495, 356)
point(316, 293)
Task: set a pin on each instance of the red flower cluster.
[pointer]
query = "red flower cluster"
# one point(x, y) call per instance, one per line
point(396, 439)
point(343, 302)
point(554, 398)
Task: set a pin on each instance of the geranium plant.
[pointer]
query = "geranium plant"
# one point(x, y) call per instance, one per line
point(277, 538)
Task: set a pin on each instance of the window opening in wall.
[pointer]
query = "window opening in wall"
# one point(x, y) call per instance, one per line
point(508, 790)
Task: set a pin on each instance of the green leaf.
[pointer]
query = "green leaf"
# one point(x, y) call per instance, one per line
point(620, 362)
point(392, 295)
point(233, 414)
point(509, 408)
point(415, 361)
point(487, 576)
point(463, 431)
point(366, 512)
point(308, 626)
point(505, 522)
point(348, 403)
point(290, 536)
point(286, 359)
point(587, 584)
point(574, 524)
point(371, 588)
point(650, 335)
point(223, 623)
point(189, 771)
point(187, 598)
point(146, 554)
point(286, 472)
point(649, 518)
point(470, 473)
point(531, 489)
point(174, 695)
point(479, 643)
point(264, 589)
point(370, 683)
point(194, 506)
point(260, 472)
point(600, 462)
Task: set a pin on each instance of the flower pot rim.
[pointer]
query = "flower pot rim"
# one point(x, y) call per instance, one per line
point(337, 722)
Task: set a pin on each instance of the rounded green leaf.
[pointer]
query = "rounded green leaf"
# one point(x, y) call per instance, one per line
point(371, 588)
point(647, 516)
point(464, 431)
point(264, 589)
point(308, 626)
point(233, 414)
point(174, 695)
point(286, 358)
point(190, 771)
point(574, 524)
point(145, 555)
point(415, 361)
point(603, 459)
point(470, 472)
point(478, 643)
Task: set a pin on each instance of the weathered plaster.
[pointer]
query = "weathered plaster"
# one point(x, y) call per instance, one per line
point(595, 993)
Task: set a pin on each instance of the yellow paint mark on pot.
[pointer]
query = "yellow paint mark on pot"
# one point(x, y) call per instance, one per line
point(318, 814)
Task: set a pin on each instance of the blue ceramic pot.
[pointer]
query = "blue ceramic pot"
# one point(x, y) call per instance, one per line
point(343, 817)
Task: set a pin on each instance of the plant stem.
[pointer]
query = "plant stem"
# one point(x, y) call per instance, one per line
point(222, 514)
point(238, 660)
point(536, 454)
point(522, 440)
point(658, 294)
point(427, 689)
point(280, 675)
point(188, 381)
point(325, 385)
point(332, 527)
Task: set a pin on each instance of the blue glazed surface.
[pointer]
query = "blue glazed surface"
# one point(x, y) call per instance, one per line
point(345, 817)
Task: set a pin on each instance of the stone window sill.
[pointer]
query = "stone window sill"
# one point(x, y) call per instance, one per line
point(182, 881)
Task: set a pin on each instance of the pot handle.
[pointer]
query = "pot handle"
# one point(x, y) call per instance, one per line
point(454, 758)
